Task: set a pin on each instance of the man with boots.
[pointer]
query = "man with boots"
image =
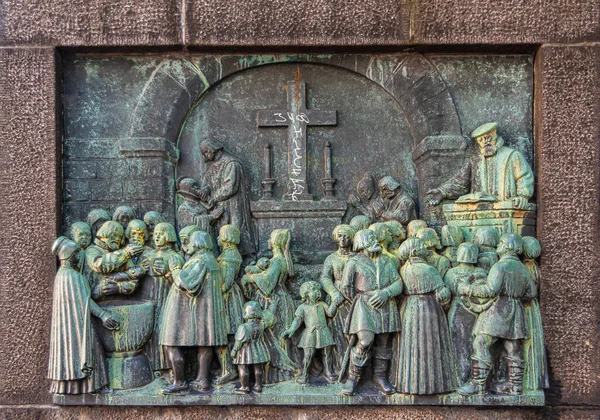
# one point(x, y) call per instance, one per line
point(371, 281)
point(509, 282)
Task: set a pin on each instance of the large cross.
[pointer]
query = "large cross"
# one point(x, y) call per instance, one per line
point(297, 118)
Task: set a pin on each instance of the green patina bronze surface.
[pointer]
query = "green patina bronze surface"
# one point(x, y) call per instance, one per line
point(266, 230)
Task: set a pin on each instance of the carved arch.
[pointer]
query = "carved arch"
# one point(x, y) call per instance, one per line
point(410, 78)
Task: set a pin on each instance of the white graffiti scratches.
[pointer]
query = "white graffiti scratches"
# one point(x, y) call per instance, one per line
point(300, 117)
point(297, 144)
point(297, 188)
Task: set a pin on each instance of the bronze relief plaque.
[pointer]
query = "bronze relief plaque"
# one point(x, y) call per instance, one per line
point(298, 230)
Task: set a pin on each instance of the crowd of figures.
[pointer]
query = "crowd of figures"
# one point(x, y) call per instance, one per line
point(423, 316)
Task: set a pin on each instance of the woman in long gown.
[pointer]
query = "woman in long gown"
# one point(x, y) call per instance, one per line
point(535, 376)
point(426, 364)
point(272, 294)
point(76, 364)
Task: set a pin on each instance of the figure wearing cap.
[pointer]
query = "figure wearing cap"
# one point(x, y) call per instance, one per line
point(508, 283)
point(76, 363)
point(464, 310)
point(393, 203)
point(496, 170)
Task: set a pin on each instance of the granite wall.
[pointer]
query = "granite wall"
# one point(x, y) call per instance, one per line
point(565, 37)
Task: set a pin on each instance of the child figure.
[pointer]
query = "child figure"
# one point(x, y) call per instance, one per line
point(250, 348)
point(261, 265)
point(317, 334)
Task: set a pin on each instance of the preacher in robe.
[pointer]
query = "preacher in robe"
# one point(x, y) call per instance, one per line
point(495, 173)
point(225, 185)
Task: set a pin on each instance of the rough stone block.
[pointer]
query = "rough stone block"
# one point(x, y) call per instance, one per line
point(568, 163)
point(506, 22)
point(112, 168)
point(276, 22)
point(77, 190)
point(96, 22)
point(79, 169)
point(146, 189)
point(145, 167)
point(105, 190)
point(91, 148)
point(30, 193)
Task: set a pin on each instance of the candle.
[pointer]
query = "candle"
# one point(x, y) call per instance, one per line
point(268, 161)
point(328, 160)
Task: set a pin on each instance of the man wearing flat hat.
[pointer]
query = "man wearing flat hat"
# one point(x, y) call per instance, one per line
point(497, 171)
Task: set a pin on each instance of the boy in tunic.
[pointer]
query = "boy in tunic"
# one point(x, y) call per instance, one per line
point(316, 334)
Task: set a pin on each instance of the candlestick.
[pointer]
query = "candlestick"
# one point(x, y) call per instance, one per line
point(268, 169)
point(327, 152)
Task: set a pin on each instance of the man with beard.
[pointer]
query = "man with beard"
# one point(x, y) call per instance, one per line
point(107, 263)
point(371, 281)
point(225, 187)
point(497, 173)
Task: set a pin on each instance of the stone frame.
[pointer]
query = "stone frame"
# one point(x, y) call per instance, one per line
point(567, 63)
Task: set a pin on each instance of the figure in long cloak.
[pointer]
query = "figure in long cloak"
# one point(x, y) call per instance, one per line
point(230, 263)
point(195, 315)
point(426, 364)
point(272, 294)
point(534, 352)
point(76, 363)
point(226, 186)
point(156, 285)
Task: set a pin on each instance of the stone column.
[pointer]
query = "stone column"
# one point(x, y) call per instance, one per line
point(30, 214)
point(568, 183)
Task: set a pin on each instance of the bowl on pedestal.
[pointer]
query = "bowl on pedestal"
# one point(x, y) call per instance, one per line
point(128, 366)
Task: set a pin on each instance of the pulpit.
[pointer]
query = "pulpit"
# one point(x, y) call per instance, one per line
point(501, 215)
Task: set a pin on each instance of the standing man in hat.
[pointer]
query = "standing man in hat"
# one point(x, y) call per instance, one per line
point(496, 170)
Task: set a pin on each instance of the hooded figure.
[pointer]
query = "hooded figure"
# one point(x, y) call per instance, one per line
point(76, 364)
point(426, 362)
point(392, 203)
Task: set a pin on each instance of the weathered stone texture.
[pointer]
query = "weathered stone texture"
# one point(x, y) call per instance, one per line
point(291, 413)
point(568, 162)
point(312, 23)
point(29, 185)
point(90, 23)
point(506, 22)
